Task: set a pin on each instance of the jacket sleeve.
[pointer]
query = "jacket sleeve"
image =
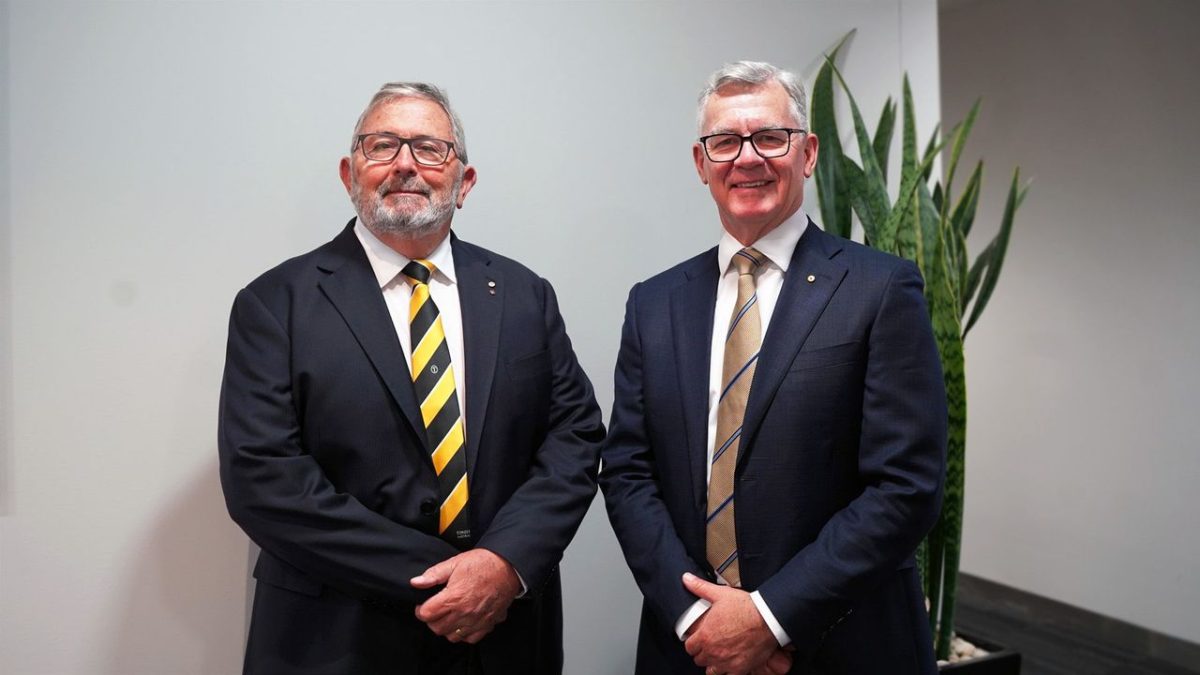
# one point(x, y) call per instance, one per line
point(630, 482)
point(533, 527)
point(901, 464)
point(279, 494)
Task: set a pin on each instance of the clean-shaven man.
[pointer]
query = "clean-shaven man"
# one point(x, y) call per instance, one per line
point(776, 448)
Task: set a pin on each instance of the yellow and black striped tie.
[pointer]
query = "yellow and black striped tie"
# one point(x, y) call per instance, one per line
point(433, 381)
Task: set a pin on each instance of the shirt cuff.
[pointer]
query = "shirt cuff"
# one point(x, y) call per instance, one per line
point(689, 617)
point(524, 586)
point(770, 619)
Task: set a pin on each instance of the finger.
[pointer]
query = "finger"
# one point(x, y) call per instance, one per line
point(434, 576)
point(478, 634)
point(479, 625)
point(434, 608)
point(693, 646)
point(779, 662)
point(450, 624)
point(700, 588)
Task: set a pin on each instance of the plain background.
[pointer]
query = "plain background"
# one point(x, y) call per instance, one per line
point(1082, 453)
point(158, 156)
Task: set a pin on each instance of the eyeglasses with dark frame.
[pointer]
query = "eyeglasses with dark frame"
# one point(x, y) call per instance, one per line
point(768, 143)
point(425, 150)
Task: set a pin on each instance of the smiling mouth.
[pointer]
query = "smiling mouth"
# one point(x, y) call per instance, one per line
point(751, 184)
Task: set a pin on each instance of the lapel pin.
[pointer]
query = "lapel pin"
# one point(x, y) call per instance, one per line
point(491, 287)
point(811, 278)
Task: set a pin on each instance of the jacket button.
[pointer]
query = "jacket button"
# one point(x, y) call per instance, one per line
point(428, 507)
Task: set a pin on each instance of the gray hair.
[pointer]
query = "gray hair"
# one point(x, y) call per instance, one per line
point(396, 90)
point(754, 74)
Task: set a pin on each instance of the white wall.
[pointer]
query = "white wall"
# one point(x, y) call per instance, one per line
point(5, 286)
point(163, 154)
point(1083, 459)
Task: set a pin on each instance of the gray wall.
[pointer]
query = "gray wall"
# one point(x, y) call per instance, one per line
point(164, 154)
point(5, 285)
point(1083, 456)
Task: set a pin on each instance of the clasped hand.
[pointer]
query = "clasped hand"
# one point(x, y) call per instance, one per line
point(731, 637)
point(480, 586)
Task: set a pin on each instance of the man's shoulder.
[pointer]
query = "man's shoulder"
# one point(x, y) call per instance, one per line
point(467, 254)
point(862, 258)
point(677, 275)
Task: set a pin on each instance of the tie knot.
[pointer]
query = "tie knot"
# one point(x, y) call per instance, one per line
point(419, 271)
point(748, 260)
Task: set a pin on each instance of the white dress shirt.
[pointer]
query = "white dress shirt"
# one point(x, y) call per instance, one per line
point(388, 266)
point(777, 245)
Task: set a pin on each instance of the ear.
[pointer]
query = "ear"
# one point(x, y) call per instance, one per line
point(698, 158)
point(811, 145)
point(344, 171)
point(468, 182)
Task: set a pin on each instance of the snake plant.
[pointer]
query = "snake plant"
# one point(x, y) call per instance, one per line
point(928, 224)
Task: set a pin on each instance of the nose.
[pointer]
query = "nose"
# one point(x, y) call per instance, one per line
point(748, 157)
point(404, 162)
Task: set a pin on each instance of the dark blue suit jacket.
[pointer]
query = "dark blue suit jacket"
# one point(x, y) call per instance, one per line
point(324, 462)
point(841, 463)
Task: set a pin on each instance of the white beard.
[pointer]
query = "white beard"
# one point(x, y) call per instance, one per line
point(380, 217)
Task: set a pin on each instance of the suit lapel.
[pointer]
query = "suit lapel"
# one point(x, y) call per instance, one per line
point(481, 291)
point(353, 289)
point(800, 304)
point(692, 306)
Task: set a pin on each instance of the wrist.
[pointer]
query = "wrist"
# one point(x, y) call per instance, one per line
point(512, 579)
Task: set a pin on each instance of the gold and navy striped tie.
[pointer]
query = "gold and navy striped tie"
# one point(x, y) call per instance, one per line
point(742, 342)
point(433, 381)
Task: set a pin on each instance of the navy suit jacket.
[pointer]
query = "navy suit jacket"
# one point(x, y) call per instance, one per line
point(325, 465)
point(839, 471)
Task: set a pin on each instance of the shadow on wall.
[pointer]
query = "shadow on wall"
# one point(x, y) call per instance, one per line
point(183, 605)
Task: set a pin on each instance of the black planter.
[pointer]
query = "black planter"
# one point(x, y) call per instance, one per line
point(999, 661)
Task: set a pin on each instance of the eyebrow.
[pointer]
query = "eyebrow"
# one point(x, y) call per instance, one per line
point(723, 130)
point(419, 137)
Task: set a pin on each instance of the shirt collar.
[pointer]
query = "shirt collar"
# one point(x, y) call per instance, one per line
point(777, 245)
point(386, 263)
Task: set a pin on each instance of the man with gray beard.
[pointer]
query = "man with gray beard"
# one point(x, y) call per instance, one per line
point(404, 429)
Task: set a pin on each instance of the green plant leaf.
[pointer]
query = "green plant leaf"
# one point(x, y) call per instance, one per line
point(855, 181)
point(1015, 197)
point(908, 188)
point(960, 271)
point(976, 274)
point(933, 244)
point(832, 191)
point(964, 213)
point(883, 135)
point(929, 148)
point(960, 219)
point(908, 208)
point(960, 133)
point(872, 200)
point(947, 333)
